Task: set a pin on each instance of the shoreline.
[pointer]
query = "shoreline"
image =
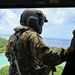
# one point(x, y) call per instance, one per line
point(3, 66)
point(2, 54)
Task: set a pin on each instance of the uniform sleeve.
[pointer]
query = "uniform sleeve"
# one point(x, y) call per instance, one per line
point(41, 52)
point(55, 57)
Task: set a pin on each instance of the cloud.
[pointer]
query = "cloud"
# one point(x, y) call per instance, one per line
point(60, 16)
point(8, 17)
point(57, 19)
point(69, 15)
point(61, 23)
point(8, 20)
point(55, 16)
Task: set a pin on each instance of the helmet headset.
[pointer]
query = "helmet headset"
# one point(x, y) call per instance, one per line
point(33, 19)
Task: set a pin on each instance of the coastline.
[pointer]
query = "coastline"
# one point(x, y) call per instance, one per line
point(2, 54)
point(4, 60)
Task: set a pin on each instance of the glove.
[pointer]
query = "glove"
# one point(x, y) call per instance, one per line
point(72, 46)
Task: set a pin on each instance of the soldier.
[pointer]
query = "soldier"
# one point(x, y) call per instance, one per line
point(34, 48)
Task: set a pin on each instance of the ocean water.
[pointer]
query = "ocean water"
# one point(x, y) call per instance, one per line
point(49, 42)
point(57, 42)
point(3, 61)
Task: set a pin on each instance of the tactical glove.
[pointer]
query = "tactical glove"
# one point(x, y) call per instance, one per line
point(72, 46)
point(70, 49)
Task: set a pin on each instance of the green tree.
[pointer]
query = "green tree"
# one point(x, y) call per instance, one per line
point(2, 45)
point(4, 70)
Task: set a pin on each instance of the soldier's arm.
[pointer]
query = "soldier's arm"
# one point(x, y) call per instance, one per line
point(56, 57)
point(40, 51)
point(50, 57)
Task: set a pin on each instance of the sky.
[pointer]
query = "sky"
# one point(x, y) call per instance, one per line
point(61, 22)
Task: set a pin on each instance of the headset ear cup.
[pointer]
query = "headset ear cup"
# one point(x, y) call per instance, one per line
point(32, 21)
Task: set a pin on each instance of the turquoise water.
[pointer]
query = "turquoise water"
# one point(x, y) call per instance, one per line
point(63, 64)
point(3, 61)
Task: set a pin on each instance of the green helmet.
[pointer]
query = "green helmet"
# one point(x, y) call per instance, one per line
point(33, 19)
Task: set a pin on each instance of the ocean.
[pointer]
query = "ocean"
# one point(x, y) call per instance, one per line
point(3, 61)
point(60, 43)
point(49, 42)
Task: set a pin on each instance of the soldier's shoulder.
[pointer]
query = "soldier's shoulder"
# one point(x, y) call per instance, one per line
point(30, 34)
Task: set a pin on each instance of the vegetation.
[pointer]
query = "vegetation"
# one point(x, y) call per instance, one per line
point(59, 69)
point(2, 45)
point(4, 70)
point(54, 48)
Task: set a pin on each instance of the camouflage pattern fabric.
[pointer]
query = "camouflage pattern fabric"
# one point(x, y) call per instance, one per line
point(37, 50)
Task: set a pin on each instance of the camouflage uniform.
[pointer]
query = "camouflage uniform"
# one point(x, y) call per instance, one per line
point(38, 51)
